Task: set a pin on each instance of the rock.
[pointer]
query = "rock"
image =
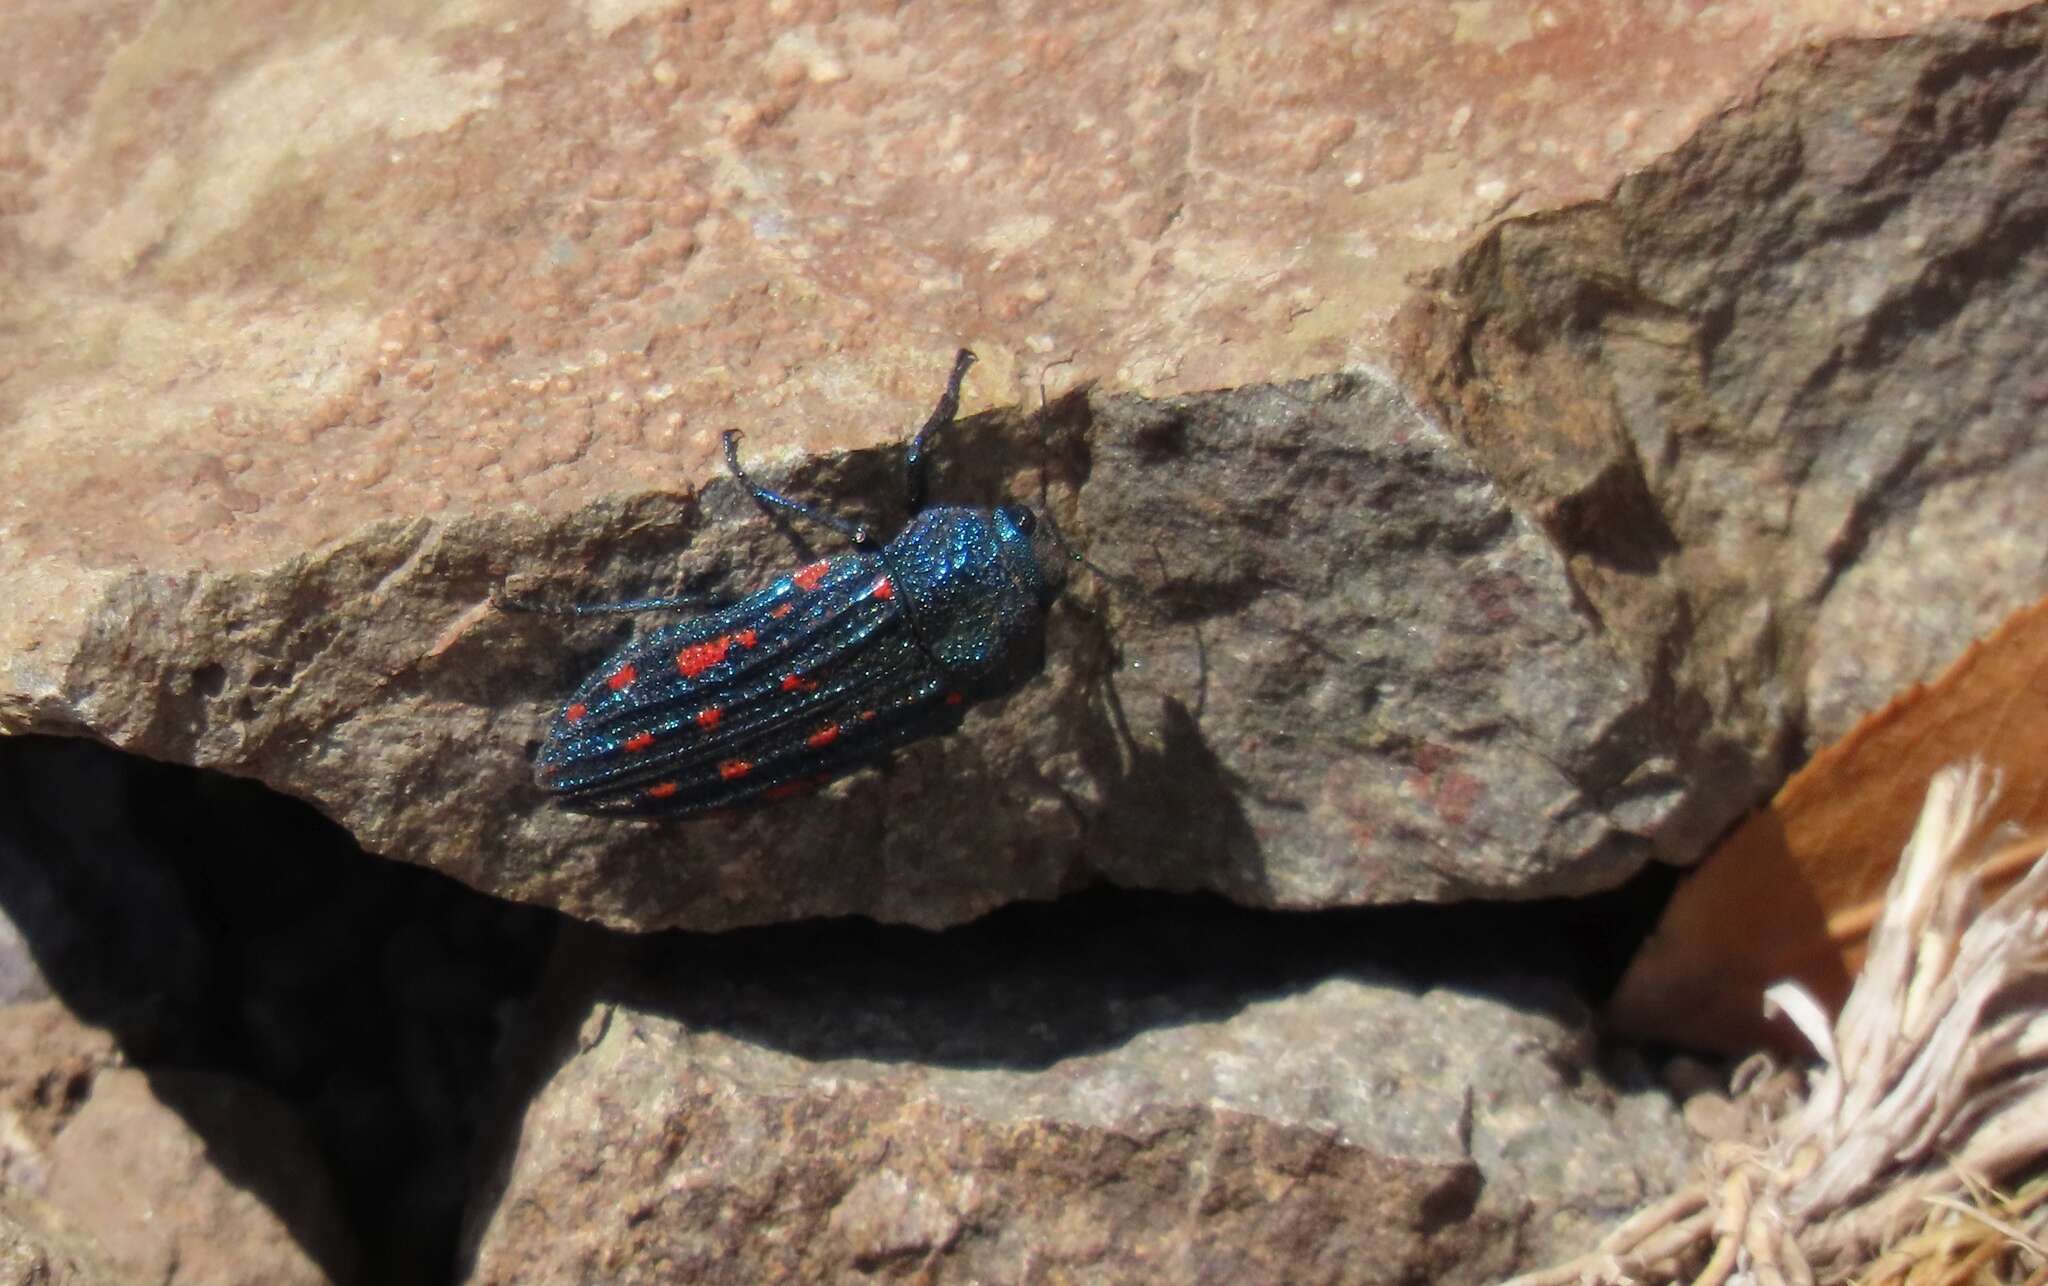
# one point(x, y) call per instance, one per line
point(48, 1063)
point(544, 254)
point(1778, 397)
point(117, 1175)
point(264, 539)
point(1348, 672)
point(204, 923)
point(738, 1116)
point(1340, 649)
point(195, 1177)
point(37, 1248)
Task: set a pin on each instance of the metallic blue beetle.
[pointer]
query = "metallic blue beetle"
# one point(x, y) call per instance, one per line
point(830, 666)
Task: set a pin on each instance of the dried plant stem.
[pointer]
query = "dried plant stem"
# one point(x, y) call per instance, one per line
point(1932, 1087)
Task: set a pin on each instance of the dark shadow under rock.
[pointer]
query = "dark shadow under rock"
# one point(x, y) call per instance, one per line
point(1416, 1086)
point(271, 982)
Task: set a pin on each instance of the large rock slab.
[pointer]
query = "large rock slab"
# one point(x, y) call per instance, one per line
point(275, 274)
point(1156, 1111)
point(1780, 397)
point(368, 317)
point(1334, 667)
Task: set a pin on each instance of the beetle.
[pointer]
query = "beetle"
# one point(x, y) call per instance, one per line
point(830, 666)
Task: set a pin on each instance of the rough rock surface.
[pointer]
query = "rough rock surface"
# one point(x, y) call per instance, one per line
point(320, 373)
point(48, 1062)
point(1780, 397)
point(1348, 673)
point(1340, 651)
point(1149, 1112)
point(38, 1248)
point(277, 272)
point(194, 1177)
point(172, 1176)
point(324, 323)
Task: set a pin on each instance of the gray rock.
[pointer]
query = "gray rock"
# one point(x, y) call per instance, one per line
point(1332, 667)
point(739, 1120)
point(1349, 672)
point(1779, 398)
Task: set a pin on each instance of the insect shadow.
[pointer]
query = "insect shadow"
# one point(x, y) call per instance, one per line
point(1158, 782)
point(1166, 791)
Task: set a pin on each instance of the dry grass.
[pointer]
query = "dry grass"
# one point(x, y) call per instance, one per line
point(1931, 1091)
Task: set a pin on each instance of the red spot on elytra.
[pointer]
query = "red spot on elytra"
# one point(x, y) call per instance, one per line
point(807, 579)
point(954, 698)
point(708, 717)
point(638, 742)
point(782, 610)
point(575, 713)
point(662, 790)
point(798, 683)
point(622, 678)
point(746, 638)
point(733, 769)
point(867, 714)
point(699, 657)
point(823, 737)
point(884, 588)
point(801, 786)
